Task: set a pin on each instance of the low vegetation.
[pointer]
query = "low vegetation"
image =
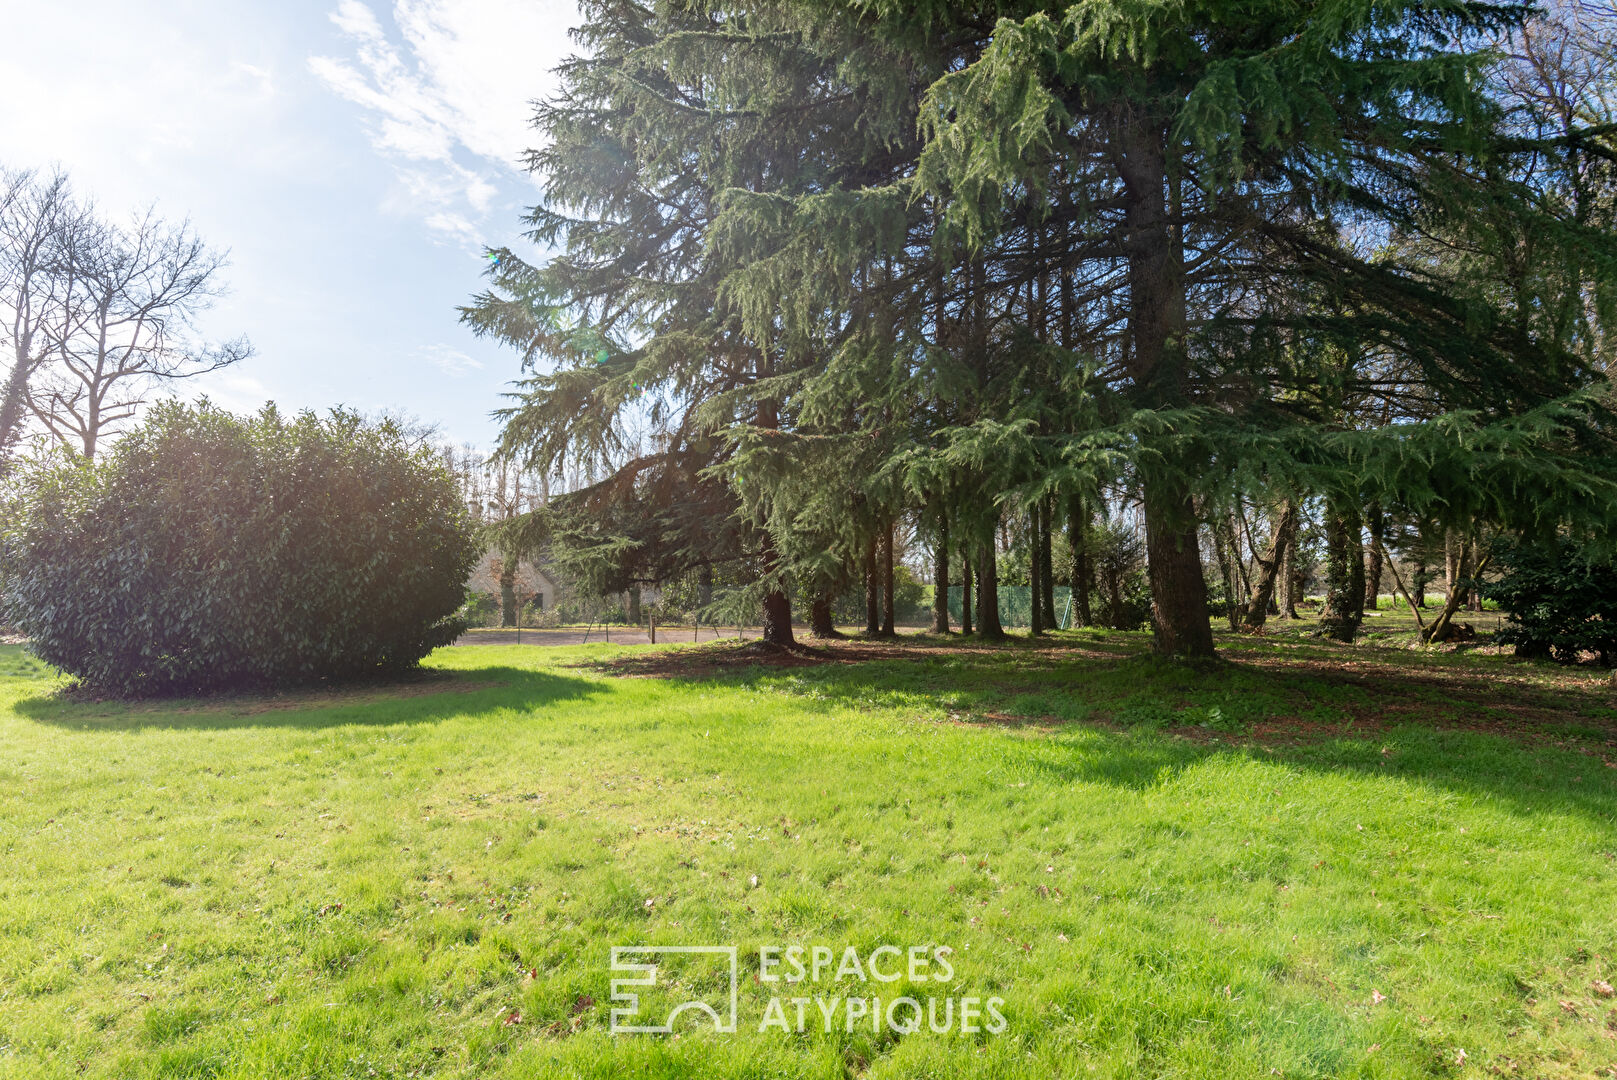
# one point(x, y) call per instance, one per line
point(207, 550)
point(1309, 860)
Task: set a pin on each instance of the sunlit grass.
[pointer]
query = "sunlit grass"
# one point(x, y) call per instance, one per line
point(378, 882)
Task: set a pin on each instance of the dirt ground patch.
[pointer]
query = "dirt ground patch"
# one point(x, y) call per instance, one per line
point(1526, 691)
point(710, 660)
point(1528, 703)
point(731, 655)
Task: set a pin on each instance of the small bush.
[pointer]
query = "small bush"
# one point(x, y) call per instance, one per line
point(207, 550)
point(1561, 600)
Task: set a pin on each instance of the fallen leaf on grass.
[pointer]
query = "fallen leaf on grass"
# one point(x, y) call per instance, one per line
point(514, 1017)
point(1601, 987)
point(1377, 997)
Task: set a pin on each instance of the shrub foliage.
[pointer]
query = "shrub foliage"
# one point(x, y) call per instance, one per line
point(1561, 597)
point(208, 550)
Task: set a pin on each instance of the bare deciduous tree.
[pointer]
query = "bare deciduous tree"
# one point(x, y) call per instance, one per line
point(1561, 70)
point(129, 326)
point(38, 217)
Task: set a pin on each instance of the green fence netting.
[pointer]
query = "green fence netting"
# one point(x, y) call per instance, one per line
point(1016, 606)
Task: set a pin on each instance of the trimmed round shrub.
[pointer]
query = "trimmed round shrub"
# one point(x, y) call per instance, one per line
point(208, 551)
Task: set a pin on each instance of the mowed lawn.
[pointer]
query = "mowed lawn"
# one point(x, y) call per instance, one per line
point(1312, 861)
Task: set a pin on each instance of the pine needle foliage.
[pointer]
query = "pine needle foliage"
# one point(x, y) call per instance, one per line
point(862, 260)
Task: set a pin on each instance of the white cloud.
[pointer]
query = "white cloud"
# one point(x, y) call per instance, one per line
point(450, 360)
point(357, 20)
point(448, 96)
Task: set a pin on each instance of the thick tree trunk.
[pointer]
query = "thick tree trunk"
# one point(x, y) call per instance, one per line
point(1047, 561)
point(1375, 523)
point(965, 589)
point(1156, 367)
point(1356, 563)
point(1290, 591)
point(1269, 568)
point(1174, 566)
point(635, 614)
point(508, 593)
point(821, 622)
point(1471, 598)
point(704, 585)
point(1452, 553)
point(940, 580)
point(872, 595)
point(1035, 565)
point(1083, 569)
point(988, 625)
point(777, 605)
point(887, 627)
point(1344, 571)
point(1113, 582)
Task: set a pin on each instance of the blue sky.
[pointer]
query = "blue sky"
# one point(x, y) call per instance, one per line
point(354, 157)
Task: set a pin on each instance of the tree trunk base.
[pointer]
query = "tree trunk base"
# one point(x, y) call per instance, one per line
point(778, 620)
point(822, 625)
point(1179, 623)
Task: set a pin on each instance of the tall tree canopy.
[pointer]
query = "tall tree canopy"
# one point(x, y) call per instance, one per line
point(864, 259)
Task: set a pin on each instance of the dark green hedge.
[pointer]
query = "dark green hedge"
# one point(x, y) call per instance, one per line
point(207, 550)
point(1561, 600)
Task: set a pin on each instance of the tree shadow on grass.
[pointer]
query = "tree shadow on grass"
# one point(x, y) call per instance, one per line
point(420, 699)
point(1537, 737)
point(1526, 779)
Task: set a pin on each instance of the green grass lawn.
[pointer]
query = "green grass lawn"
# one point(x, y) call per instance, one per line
point(1313, 861)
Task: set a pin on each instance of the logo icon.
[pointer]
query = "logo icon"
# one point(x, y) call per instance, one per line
point(643, 961)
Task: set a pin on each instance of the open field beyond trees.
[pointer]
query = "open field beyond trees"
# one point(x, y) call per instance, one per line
point(1314, 860)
